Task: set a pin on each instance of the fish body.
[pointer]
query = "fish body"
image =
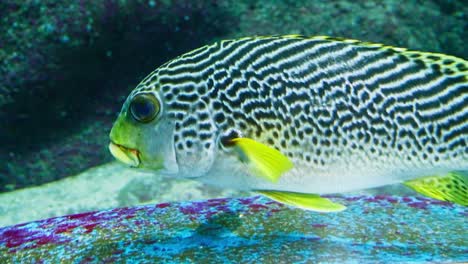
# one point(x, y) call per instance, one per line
point(346, 114)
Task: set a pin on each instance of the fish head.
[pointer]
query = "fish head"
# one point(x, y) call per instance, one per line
point(159, 129)
point(142, 135)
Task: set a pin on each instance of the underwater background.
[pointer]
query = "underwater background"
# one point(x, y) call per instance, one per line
point(67, 66)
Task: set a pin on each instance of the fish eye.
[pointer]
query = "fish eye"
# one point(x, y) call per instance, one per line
point(144, 107)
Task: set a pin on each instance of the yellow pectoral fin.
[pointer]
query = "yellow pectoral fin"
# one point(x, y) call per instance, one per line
point(305, 201)
point(453, 187)
point(265, 161)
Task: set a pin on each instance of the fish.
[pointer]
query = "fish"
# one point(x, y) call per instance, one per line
point(295, 117)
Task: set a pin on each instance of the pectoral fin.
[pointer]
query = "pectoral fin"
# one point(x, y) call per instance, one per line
point(264, 161)
point(453, 187)
point(305, 201)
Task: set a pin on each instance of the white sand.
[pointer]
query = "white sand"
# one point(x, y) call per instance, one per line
point(107, 186)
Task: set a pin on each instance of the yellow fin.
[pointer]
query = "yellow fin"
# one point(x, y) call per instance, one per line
point(307, 201)
point(452, 187)
point(265, 161)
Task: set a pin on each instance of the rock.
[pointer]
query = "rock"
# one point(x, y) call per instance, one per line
point(373, 229)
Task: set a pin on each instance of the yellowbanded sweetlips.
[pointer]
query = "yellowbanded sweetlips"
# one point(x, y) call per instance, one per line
point(294, 117)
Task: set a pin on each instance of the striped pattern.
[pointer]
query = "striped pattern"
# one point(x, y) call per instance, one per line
point(320, 101)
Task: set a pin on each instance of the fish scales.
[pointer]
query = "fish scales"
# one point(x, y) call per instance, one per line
point(318, 100)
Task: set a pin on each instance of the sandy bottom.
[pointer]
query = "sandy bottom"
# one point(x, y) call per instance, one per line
point(107, 186)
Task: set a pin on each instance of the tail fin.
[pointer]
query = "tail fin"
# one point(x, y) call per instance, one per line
point(452, 187)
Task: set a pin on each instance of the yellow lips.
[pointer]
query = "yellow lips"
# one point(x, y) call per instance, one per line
point(125, 155)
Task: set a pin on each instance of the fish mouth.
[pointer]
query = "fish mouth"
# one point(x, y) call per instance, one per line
point(125, 155)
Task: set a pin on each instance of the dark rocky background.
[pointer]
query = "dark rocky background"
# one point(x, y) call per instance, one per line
point(67, 66)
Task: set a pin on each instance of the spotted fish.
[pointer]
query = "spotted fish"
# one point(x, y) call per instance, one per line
point(295, 117)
